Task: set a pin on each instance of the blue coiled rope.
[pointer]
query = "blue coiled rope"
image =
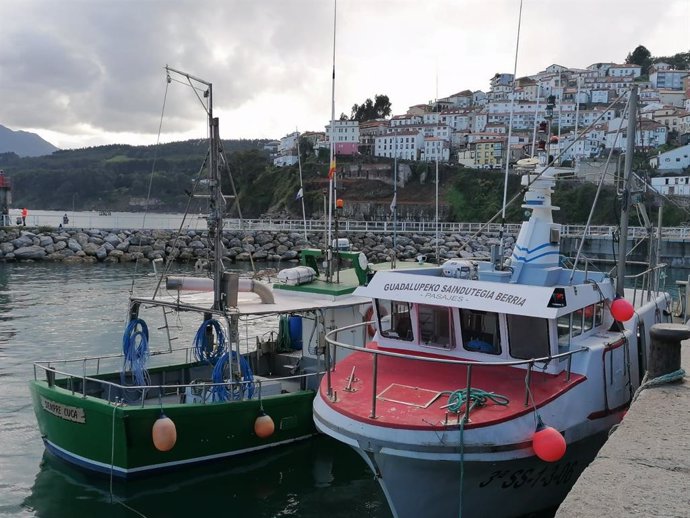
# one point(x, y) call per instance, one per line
point(135, 348)
point(203, 350)
point(221, 392)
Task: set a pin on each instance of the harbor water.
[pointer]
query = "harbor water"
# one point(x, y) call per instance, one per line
point(51, 310)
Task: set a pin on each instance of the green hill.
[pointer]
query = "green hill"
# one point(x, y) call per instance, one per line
point(119, 178)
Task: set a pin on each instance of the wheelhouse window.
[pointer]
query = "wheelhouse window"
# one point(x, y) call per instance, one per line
point(579, 321)
point(528, 337)
point(395, 319)
point(563, 327)
point(436, 326)
point(480, 331)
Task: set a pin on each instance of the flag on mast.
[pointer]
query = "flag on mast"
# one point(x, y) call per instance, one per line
point(331, 170)
point(394, 203)
point(300, 194)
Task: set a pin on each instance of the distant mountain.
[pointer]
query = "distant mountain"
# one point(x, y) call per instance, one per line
point(24, 143)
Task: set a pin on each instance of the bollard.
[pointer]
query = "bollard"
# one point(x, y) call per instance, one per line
point(664, 353)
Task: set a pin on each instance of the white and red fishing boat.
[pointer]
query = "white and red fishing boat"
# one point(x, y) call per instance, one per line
point(489, 386)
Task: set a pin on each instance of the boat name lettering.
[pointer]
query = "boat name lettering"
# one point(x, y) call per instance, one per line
point(510, 299)
point(69, 413)
point(456, 290)
point(412, 286)
point(560, 473)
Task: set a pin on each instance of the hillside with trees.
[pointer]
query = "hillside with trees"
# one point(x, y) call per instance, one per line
point(119, 177)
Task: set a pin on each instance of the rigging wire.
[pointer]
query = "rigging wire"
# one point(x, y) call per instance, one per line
point(510, 130)
point(153, 170)
point(534, 178)
point(596, 196)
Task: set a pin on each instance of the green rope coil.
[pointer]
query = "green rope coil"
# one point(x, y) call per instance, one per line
point(478, 398)
point(284, 342)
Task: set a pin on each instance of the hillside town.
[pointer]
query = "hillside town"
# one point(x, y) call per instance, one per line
point(482, 130)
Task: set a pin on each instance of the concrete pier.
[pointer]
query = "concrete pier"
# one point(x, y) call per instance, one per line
point(644, 467)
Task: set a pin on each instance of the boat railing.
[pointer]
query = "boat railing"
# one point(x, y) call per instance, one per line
point(646, 284)
point(469, 364)
point(76, 381)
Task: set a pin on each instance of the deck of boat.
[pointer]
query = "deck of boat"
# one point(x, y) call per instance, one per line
point(413, 395)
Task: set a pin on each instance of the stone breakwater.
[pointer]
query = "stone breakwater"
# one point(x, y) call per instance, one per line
point(122, 246)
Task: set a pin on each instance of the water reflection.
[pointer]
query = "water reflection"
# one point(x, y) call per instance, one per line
point(7, 329)
point(312, 478)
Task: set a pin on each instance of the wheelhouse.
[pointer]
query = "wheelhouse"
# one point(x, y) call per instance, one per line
point(539, 323)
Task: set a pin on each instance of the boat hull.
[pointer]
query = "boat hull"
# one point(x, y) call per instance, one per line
point(116, 439)
point(475, 472)
point(436, 488)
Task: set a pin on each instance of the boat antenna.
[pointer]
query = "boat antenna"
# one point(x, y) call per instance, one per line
point(438, 259)
point(625, 201)
point(300, 193)
point(510, 130)
point(536, 118)
point(331, 167)
point(394, 209)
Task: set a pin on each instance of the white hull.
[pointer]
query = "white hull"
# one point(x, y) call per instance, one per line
point(503, 489)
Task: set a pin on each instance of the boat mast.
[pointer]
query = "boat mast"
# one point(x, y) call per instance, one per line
point(625, 201)
point(331, 171)
point(216, 200)
point(301, 186)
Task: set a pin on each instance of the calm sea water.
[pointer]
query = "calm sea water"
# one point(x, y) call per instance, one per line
point(58, 311)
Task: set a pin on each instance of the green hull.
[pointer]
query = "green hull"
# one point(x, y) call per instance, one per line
point(100, 436)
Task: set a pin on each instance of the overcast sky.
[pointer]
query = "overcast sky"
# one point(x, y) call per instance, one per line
point(90, 72)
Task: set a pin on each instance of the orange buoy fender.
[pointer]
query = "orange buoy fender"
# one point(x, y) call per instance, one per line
point(164, 433)
point(264, 426)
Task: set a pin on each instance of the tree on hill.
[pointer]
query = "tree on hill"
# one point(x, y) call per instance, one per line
point(379, 108)
point(640, 56)
point(679, 61)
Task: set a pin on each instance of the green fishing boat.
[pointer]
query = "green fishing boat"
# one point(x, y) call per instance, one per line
point(241, 379)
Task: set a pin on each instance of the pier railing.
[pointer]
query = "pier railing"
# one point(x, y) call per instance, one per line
point(134, 221)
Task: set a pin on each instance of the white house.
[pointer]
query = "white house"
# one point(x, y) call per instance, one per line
point(479, 98)
point(405, 120)
point(600, 68)
point(668, 79)
point(435, 149)
point(287, 150)
point(457, 119)
point(345, 137)
point(431, 118)
point(672, 97)
point(402, 143)
point(678, 185)
point(673, 160)
point(625, 70)
point(600, 95)
point(649, 134)
point(461, 99)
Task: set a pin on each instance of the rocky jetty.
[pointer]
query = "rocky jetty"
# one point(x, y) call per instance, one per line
point(121, 246)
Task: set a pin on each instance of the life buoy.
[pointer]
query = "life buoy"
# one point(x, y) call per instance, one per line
point(369, 315)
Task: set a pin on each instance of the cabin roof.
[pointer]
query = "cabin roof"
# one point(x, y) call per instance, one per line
point(430, 287)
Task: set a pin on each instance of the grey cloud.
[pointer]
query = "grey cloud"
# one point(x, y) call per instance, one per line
point(101, 63)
